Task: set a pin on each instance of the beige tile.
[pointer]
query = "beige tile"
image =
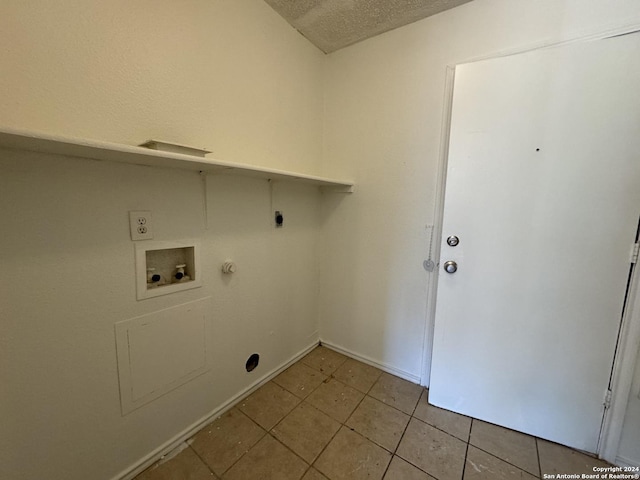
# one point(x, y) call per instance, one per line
point(324, 360)
point(378, 422)
point(451, 422)
point(357, 375)
point(482, 466)
point(401, 470)
point(225, 440)
point(268, 460)
point(396, 392)
point(335, 399)
point(350, 456)
point(268, 405)
point(300, 379)
point(513, 447)
point(184, 466)
point(556, 459)
point(313, 474)
point(437, 453)
point(306, 431)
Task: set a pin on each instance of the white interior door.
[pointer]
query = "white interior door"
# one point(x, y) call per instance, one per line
point(543, 192)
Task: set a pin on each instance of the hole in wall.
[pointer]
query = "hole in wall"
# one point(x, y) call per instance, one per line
point(252, 362)
point(279, 219)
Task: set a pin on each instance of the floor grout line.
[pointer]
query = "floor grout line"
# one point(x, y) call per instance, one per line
point(202, 460)
point(395, 450)
point(444, 431)
point(424, 389)
point(288, 448)
point(538, 454)
point(304, 400)
point(343, 424)
point(499, 458)
point(260, 439)
point(330, 377)
point(466, 452)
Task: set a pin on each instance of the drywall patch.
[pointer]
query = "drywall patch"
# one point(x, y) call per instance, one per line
point(161, 351)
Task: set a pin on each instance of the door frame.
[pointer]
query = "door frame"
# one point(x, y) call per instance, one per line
point(628, 347)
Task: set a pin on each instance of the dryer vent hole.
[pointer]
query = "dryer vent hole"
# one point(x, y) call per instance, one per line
point(279, 219)
point(252, 363)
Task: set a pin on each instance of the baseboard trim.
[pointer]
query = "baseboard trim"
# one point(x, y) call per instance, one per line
point(369, 361)
point(626, 462)
point(175, 442)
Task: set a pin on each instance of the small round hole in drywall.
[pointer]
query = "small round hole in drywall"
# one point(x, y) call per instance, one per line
point(252, 363)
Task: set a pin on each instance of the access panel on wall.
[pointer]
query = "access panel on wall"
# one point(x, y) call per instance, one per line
point(543, 195)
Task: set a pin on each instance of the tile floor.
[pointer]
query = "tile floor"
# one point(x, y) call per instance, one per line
point(331, 417)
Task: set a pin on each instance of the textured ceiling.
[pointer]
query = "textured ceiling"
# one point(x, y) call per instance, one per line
point(334, 24)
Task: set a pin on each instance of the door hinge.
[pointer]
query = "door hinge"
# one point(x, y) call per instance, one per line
point(635, 250)
point(607, 399)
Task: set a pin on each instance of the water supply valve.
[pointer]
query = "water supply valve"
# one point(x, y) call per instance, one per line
point(180, 275)
point(153, 277)
point(228, 267)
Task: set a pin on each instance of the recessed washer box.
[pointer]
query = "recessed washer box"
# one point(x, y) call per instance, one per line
point(166, 267)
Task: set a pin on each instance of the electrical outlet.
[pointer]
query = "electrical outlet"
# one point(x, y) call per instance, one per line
point(141, 225)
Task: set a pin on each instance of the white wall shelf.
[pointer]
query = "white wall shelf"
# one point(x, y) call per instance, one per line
point(114, 152)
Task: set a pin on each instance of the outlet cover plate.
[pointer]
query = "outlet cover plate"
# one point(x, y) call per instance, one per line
point(141, 225)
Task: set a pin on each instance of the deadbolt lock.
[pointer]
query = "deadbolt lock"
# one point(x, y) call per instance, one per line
point(452, 241)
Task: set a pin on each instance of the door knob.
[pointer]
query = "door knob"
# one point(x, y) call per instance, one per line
point(450, 266)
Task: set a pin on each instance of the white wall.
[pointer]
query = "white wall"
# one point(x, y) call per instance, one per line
point(384, 102)
point(230, 75)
